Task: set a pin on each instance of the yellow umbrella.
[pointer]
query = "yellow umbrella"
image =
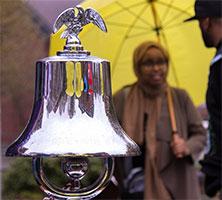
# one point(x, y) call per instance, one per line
point(130, 22)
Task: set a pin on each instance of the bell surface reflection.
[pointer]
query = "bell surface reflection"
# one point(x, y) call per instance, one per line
point(73, 113)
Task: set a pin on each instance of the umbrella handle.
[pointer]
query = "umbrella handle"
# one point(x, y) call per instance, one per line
point(172, 112)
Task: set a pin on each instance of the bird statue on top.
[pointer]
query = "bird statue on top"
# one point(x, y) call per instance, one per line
point(74, 22)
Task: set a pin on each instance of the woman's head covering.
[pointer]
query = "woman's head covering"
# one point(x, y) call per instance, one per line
point(140, 52)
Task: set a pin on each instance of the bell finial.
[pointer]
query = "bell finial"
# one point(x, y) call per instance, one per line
point(75, 23)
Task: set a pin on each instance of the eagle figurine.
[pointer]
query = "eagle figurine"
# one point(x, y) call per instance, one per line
point(74, 23)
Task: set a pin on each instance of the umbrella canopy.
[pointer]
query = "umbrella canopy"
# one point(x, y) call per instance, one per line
point(133, 21)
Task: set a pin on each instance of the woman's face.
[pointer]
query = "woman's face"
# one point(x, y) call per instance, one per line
point(153, 68)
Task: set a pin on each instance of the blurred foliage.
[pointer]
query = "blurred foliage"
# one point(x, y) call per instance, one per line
point(19, 182)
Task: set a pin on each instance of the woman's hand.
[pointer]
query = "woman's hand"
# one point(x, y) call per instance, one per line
point(179, 146)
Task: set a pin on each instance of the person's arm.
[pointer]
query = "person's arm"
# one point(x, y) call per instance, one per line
point(196, 132)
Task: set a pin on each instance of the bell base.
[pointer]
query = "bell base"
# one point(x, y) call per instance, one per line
point(76, 172)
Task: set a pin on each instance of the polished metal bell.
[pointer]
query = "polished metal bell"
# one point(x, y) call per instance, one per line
point(73, 113)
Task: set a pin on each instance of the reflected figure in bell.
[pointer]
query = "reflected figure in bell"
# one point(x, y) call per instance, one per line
point(165, 123)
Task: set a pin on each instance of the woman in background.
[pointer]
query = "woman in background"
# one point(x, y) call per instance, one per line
point(143, 111)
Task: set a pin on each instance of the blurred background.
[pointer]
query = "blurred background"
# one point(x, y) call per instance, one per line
point(25, 34)
point(26, 26)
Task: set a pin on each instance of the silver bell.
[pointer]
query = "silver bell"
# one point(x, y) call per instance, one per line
point(73, 113)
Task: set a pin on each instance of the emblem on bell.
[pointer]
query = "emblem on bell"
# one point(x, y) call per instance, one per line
point(73, 115)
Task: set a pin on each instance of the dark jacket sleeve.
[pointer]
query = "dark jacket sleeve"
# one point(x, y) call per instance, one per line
point(211, 164)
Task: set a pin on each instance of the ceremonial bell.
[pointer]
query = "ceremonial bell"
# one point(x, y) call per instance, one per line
point(73, 115)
